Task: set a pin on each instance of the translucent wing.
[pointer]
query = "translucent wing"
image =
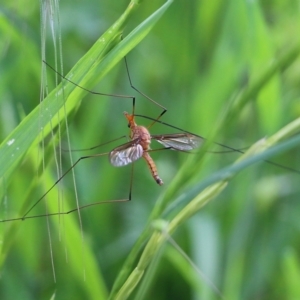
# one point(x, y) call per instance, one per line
point(179, 141)
point(126, 154)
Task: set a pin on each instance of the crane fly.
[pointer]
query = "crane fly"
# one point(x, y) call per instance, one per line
point(139, 146)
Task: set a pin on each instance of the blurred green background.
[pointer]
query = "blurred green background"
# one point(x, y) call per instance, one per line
point(198, 57)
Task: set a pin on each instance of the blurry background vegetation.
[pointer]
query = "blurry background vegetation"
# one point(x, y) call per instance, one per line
point(196, 59)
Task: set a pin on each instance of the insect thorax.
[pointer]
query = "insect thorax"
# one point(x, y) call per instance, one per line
point(142, 133)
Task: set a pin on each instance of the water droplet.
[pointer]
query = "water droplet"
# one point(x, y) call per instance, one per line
point(10, 142)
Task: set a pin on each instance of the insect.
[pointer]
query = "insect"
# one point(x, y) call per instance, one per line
point(139, 146)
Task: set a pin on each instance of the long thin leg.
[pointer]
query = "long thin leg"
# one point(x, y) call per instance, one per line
point(94, 147)
point(87, 90)
point(57, 181)
point(144, 95)
point(66, 212)
point(131, 182)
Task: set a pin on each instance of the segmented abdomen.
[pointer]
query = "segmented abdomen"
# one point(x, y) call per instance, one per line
point(152, 168)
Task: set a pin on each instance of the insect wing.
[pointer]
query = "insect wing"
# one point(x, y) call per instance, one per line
point(179, 141)
point(126, 154)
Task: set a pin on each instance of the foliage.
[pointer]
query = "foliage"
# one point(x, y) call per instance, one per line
point(226, 70)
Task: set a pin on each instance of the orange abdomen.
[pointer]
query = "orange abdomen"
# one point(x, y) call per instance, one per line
point(152, 168)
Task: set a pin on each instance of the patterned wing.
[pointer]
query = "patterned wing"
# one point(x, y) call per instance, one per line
point(126, 154)
point(179, 141)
